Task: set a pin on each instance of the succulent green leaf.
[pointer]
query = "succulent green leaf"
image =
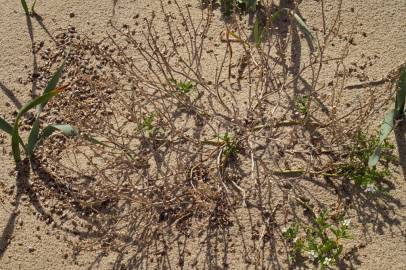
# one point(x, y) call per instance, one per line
point(386, 128)
point(401, 93)
point(66, 130)
point(374, 158)
point(387, 125)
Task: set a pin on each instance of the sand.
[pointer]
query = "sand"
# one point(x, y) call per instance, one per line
point(29, 242)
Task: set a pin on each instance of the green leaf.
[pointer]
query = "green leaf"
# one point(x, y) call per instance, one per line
point(5, 126)
point(55, 79)
point(401, 93)
point(302, 25)
point(25, 7)
point(51, 85)
point(257, 32)
point(389, 120)
point(66, 130)
point(275, 16)
point(33, 137)
point(15, 137)
point(33, 6)
point(39, 100)
point(386, 128)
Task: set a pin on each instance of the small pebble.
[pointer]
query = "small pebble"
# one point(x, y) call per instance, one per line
point(71, 15)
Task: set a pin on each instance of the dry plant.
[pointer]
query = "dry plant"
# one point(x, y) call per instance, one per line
point(206, 134)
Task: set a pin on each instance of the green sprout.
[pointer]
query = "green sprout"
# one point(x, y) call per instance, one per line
point(320, 240)
point(35, 136)
point(25, 7)
point(356, 167)
point(230, 146)
point(302, 104)
point(183, 86)
point(148, 124)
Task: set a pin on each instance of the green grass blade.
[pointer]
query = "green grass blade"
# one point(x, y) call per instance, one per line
point(15, 137)
point(39, 100)
point(66, 129)
point(257, 32)
point(95, 141)
point(302, 25)
point(401, 93)
point(51, 85)
point(25, 7)
point(33, 137)
point(55, 79)
point(5, 126)
point(33, 6)
point(15, 146)
point(275, 16)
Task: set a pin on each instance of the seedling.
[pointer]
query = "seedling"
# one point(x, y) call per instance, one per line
point(35, 137)
point(320, 240)
point(302, 104)
point(357, 167)
point(230, 146)
point(229, 5)
point(148, 124)
point(185, 87)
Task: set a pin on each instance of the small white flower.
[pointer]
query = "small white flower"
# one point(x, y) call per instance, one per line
point(313, 255)
point(327, 261)
point(295, 239)
point(347, 222)
point(371, 188)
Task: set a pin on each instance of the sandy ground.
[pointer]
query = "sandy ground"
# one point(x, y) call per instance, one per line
point(26, 242)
